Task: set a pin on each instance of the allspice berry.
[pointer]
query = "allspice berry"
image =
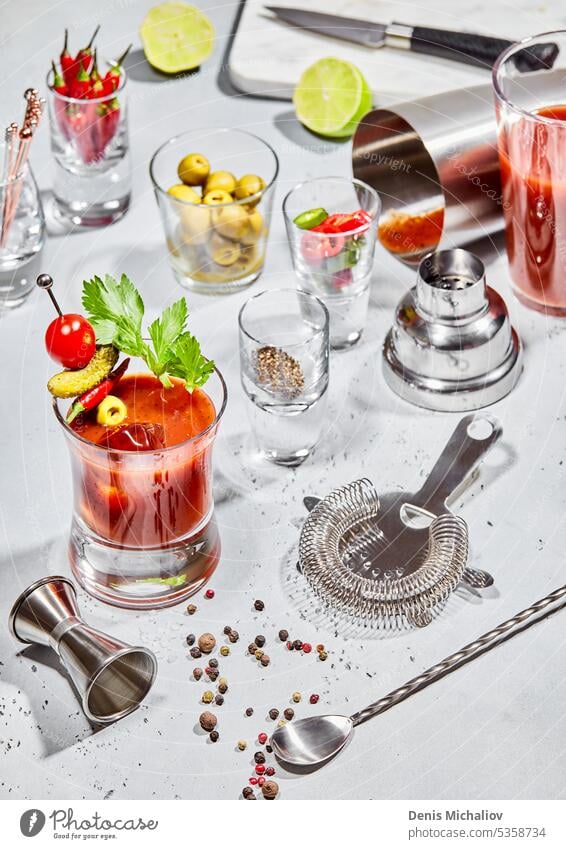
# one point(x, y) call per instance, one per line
point(191, 608)
point(206, 642)
point(265, 660)
point(289, 713)
point(207, 721)
point(270, 790)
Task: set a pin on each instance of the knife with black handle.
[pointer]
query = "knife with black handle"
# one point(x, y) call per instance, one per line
point(469, 48)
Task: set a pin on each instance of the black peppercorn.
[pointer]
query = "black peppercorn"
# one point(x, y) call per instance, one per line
point(249, 711)
point(265, 660)
point(297, 645)
point(197, 673)
point(227, 629)
point(191, 639)
point(259, 758)
point(213, 662)
point(212, 673)
point(268, 749)
point(214, 735)
point(283, 635)
point(273, 713)
point(248, 793)
point(219, 699)
point(191, 608)
point(258, 604)
point(252, 648)
point(289, 713)
point(196, 652)
point(233, 636)
point(260, 641)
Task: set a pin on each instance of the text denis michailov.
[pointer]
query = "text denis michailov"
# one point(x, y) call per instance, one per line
point(455, 815)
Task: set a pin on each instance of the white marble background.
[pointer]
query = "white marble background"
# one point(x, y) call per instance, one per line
point(495, 729)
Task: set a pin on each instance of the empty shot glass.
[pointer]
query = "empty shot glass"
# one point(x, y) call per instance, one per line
point(332, 225)
point(284, 354)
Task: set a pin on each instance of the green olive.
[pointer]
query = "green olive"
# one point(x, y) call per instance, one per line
point(195, 224)
point(255, 229)
point(111, 411)
point(221, 180)
point(226, 254)
point(194, 169)
point(184, 193)
point(248, 185)
point(249, 260)
point(231, 222)
point(217, 196)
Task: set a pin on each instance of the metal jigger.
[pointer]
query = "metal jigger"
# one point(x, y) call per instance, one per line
point(111, 677)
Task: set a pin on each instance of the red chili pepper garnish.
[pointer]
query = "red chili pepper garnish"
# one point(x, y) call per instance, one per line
point(92, 398)
point(84, 56)
point(112, 77)
point(316, 248)
point(66, 60)
point(340, 222)
point(80, 85)
point(59, 84)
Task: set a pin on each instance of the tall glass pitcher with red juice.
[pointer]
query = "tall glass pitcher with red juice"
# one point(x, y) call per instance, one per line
point(143, 533)
point(531, 119)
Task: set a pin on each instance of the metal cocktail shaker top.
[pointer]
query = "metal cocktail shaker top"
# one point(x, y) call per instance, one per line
point(452, 347)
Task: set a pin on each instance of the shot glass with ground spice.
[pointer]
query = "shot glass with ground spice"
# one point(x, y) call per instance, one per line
point(284, 353)
point(331, 225)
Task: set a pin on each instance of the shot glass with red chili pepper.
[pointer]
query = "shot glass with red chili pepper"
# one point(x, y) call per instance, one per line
point(332, 225)
point(89, 141)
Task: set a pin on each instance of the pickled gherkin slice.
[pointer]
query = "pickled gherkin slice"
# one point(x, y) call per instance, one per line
point(69, 384)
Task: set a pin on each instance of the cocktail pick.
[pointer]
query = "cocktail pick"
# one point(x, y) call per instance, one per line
point(112, 678)
point(311, 742)
point(45, 281)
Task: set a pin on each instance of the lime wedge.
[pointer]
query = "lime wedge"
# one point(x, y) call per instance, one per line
point(310, 218)
point(176, 37)
point(331, 97)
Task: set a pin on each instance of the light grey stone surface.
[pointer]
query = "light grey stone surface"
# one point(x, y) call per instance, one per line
point(495, 729)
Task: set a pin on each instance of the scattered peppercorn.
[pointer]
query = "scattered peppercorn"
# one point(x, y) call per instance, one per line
point(307, 648)
point(249, 711)
point(206, 642)
point(197, 673)
point(219, 700)
point(196, 652)
point(209, 594)
point(242, 745)
point(261, 780)
point(262, 737)
point(281, 723)
point(252, 648)
point(260, 769)
point(258, 604)
point(223, 685)
point(260, 641)
point(207, 697)
point(191, 608)
point(290, 645)
point(268, 749)
point(265, 660)
point(320, 647)
point(283, 635)
point(259, 758)
point(233, 636)
point(191, 639)
point(314, 698)
point(297, 645)
point(296, 697)
point(248, 793)
point(213, 662)
point(289, 713)
point(212, 673)
point(270, 771)
point(258, 654)
point(253, 779)
point(273, 713)
point(224, 651)
point(227, 629)
point(323, 655)
point(270, 790)
point(214, 735)
point(207, 721)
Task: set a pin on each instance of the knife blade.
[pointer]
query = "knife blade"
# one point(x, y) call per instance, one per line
point(469, 48)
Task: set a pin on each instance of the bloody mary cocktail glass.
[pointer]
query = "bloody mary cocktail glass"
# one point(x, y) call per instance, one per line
point(531, 118)
point(143, 533)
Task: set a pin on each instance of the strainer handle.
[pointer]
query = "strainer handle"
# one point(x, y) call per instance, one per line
point(460, 457)
point(483, 644)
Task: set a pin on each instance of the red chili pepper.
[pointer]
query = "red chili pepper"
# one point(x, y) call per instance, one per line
point(96, 85)
point(112, 77)
point(91, 399)
point(59, 84)
point(80, 85)
point(341, 222)
point(84, 56)
point(316, 248)
point(66, 60)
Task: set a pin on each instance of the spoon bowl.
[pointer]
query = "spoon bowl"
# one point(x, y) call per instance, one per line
point(312, 741)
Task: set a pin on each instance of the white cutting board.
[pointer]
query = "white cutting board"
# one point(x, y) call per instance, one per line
point(267, 57)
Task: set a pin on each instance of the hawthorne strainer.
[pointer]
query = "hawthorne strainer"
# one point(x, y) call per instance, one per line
point(394, 559)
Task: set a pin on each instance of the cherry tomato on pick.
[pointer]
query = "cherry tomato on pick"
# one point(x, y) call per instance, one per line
point(70, 340)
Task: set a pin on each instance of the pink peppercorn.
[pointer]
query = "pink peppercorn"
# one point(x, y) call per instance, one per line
point(209, 594)
point(290, 645)
point(260, 769)
point(270, 771)
point(314, 698)
point(253, 780)
point(307, 648)
point(261, 781)
point(262, 737)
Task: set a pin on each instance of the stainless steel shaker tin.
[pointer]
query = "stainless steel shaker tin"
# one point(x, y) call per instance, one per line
point(452, 346)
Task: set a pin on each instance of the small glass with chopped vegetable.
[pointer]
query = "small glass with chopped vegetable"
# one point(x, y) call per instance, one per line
point(140, 427)
point(332, 226)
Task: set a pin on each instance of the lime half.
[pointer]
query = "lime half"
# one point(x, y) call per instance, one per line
point(176, 37)
point(331, 97)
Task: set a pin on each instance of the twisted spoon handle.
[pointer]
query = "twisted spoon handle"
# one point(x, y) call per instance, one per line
point(483, 644)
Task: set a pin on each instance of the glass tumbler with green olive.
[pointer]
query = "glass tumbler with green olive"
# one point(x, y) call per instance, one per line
point(214, 189)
